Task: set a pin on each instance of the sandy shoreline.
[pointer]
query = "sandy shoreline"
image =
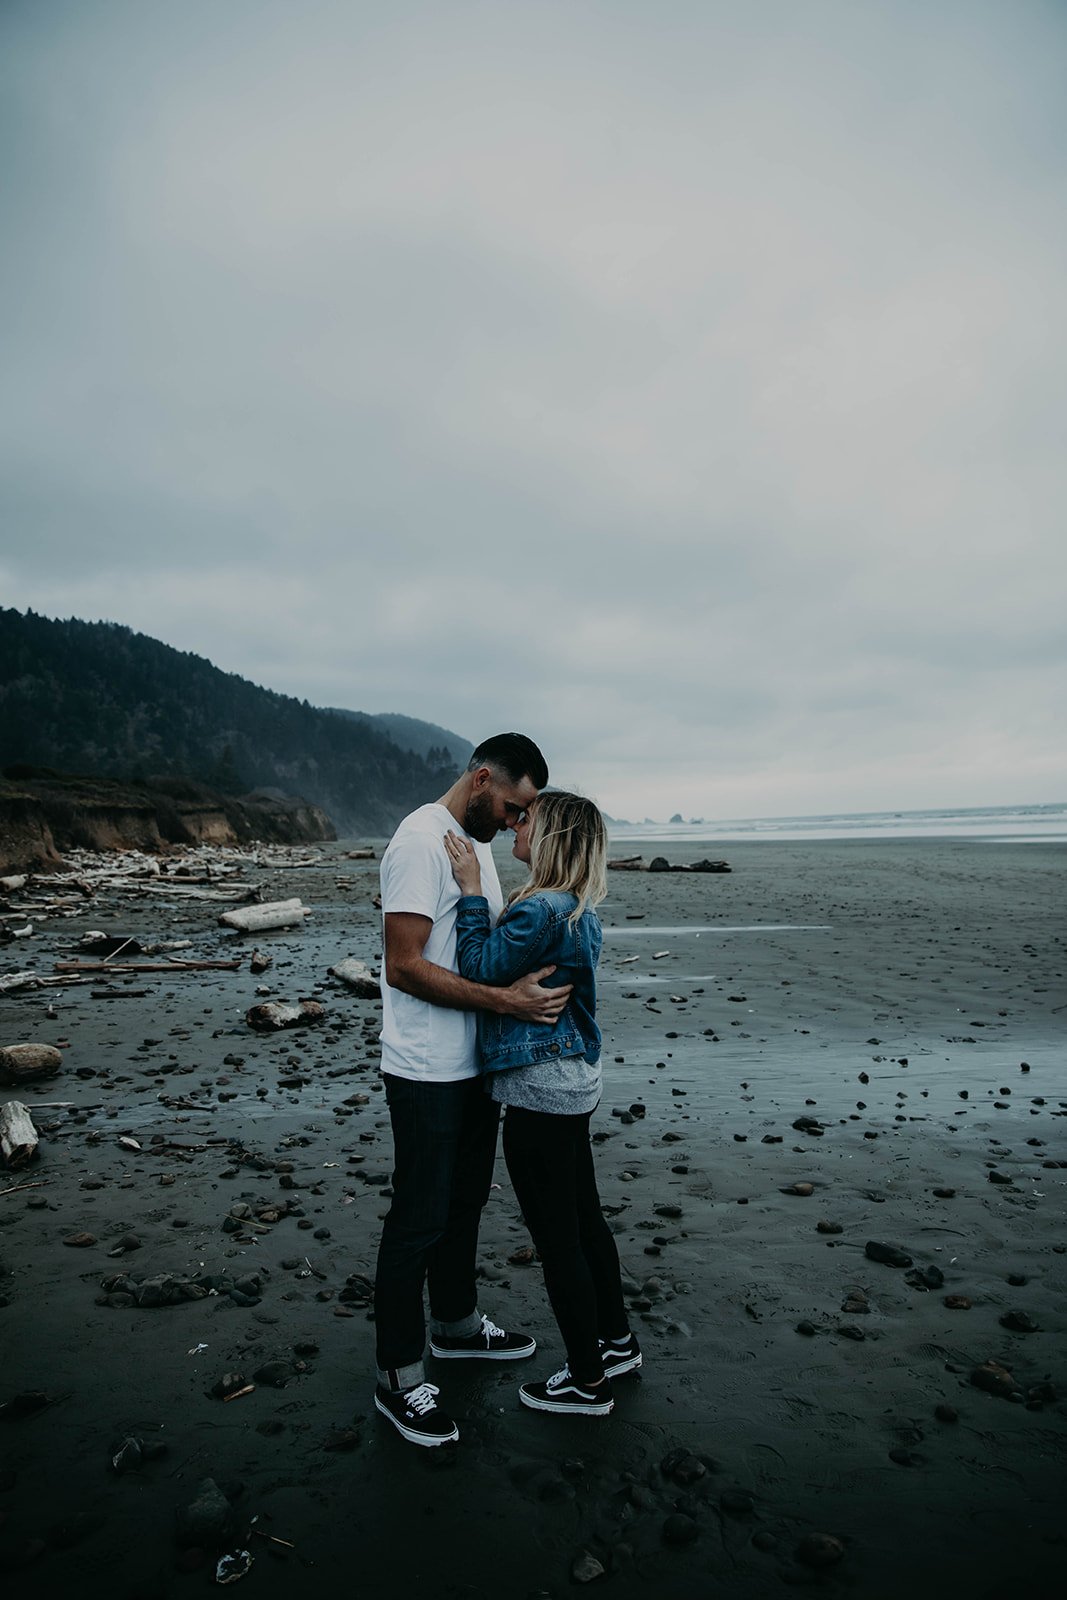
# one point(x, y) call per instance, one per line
point(814, 963)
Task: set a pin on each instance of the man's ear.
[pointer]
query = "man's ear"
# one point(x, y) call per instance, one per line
point(482, 777)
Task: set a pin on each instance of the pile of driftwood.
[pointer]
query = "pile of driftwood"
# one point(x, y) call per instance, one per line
point(21, 1064)
point(661, 864)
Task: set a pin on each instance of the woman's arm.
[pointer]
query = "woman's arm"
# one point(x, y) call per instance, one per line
point(500, 955)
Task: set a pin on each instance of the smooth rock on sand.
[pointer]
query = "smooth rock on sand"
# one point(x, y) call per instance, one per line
point(358, 977)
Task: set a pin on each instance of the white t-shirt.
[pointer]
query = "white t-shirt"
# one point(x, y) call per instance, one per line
point(432, 1044)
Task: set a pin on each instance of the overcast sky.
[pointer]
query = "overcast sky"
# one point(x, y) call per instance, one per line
point(683, 384)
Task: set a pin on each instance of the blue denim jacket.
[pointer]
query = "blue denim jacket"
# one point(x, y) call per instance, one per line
point(532, 933)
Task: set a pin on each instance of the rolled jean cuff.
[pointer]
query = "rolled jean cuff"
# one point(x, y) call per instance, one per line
point(400, 1379)
point(465, 1328)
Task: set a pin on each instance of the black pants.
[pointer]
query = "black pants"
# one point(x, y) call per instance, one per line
point(444, 1138)
point(550, 1162)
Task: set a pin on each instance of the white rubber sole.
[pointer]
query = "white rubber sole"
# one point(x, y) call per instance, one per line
point(624, 1366)
point(569, 1408)
point(482, 1355)
point(411, 1435)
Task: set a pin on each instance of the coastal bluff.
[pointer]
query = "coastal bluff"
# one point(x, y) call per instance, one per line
point(44, 813)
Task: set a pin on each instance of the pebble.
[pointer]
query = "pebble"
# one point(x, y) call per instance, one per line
point(208, 1521)
point(889, 1254)
point(1019, 1322)
point(946, 1413)
point(585, 1567)
point(80, 1241)
point(680, 1529)
point(994, 1379)
point(957, 1302)
point(682, 1467)
point(820, 1550)
point(737, 1502)
point(828, 1227)
point(807, 1329)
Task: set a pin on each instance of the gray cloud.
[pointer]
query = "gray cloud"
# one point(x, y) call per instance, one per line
point(685, 385)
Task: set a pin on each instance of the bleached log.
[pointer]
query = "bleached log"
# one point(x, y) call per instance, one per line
point(22, 1063)
point(11, 982)
point(359, 855)
point(358, 977)
point(257, 919)
point(176, 889)
point(147, 966)
point(17, 880)
point(18, 1136)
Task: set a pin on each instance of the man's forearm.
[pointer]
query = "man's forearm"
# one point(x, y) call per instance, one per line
point(427, 981)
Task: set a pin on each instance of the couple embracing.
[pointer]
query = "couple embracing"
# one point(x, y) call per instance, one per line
point(484, 1007)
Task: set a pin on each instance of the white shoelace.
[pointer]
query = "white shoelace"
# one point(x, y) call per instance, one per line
point(490, 1329)
point(562, 1376)
point(422, 1399)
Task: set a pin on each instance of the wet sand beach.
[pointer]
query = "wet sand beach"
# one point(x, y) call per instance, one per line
point(837, 1044)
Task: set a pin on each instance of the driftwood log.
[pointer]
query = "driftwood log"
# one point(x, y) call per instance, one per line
point(358, 977)
point(23, 1063)
point(257, 919)
point(177, 965)
point(18, 1136)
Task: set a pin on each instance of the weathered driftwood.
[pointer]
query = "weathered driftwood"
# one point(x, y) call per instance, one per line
point(257, 919)
point(661, 864)
point(148, 966)
point(358, 977)
point(23, 1063)
point(275, 1014)
point(260, 962)
point(16, 881)
point(175, 888)
point(359, 855)
point(627, 864)
point(18, 1136)
point(11, 982)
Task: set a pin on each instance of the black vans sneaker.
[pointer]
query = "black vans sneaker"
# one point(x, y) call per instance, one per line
point(490, 1343)
point(620, 1355)
point(562, 1394)
point(415, 1414)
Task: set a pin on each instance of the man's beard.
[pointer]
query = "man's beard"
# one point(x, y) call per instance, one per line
point(478, 819)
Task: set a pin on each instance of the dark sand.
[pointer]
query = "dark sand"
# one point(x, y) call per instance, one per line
point(946, 956)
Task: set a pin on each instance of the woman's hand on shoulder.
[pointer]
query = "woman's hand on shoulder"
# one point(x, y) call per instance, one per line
point(465, 867)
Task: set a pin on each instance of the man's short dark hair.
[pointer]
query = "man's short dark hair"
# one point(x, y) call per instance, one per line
point(515, 755)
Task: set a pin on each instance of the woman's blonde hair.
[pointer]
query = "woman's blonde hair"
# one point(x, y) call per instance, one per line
point(568, 850)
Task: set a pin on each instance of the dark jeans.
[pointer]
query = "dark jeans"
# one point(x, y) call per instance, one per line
point(444, 1139)
point(550, 1161)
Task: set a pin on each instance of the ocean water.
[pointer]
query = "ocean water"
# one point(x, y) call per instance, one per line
point(1046, 824)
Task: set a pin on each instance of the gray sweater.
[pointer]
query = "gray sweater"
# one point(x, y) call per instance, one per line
point(569, 1088)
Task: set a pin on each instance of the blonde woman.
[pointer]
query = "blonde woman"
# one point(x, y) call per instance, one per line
point(547, 1075)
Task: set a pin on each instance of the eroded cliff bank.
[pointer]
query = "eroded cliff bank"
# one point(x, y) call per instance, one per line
point(42, 814)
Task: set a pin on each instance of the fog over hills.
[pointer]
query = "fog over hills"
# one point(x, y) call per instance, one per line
point(97, 698)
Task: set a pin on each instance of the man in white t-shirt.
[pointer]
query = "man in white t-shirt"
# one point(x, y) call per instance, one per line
point(444, 1124)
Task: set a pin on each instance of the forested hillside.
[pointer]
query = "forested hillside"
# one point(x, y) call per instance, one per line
point(97, 698)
